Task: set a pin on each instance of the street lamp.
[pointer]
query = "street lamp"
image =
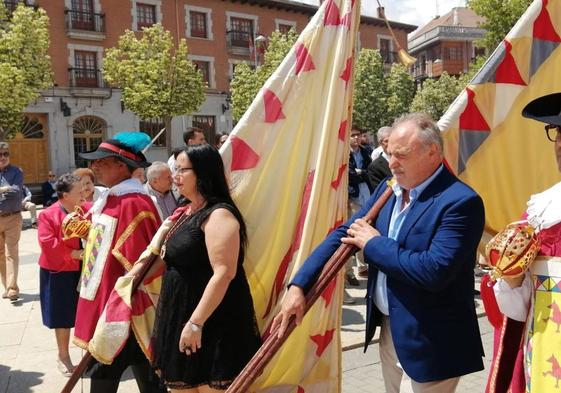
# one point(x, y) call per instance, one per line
point(259, 42)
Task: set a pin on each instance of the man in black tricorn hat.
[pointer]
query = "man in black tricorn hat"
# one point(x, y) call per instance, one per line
point(531, 312)
point(124, 221)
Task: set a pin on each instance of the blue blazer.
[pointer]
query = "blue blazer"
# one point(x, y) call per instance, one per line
point(430, 279)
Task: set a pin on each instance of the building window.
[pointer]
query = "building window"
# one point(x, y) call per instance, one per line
point(82, 16)
point(452, 53)
point(479, 51)
point(88, 132)
point(233, 69)
point(284, 29)
point(198, 24)
point(385, 47)
point(205, 64)
point(207, 124)
point(241, 32)
point(83, 6)
point(284, 26)
point(11, 5)
point(152, 127)
point(204, 68)
point(85, 72)
point(234, 63)
point(145, 14)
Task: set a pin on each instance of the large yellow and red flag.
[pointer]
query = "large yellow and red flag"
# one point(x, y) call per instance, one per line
point(287, 159)
point(504, 156)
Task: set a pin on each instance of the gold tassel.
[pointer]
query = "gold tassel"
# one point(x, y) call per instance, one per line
point(406, 59)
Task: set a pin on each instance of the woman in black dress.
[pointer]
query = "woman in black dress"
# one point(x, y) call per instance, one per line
point(205, 330)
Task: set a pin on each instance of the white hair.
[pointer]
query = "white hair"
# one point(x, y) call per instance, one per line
point(428, 131)
point(155, 169)
point(383, 132)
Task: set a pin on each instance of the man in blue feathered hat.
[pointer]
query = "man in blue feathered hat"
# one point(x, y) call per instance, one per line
point(124, 221)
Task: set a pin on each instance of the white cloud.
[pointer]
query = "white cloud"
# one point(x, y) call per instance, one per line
point(415, 12)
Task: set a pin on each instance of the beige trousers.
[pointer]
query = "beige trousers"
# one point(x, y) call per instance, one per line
point(32, 209)
point(396, 380)
point(10, 230)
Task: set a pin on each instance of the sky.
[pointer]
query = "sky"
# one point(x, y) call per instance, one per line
point(415, 12)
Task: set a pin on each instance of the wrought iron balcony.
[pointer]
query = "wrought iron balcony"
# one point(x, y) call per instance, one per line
point(444, 33)
point(239, 42)
point(389, 57)
point(86, 77)
point(84, 21)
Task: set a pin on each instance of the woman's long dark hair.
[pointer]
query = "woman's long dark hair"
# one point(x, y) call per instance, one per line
point(211, 181)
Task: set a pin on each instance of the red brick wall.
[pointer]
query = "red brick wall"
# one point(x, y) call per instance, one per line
point(369, 36)
point(118, 18)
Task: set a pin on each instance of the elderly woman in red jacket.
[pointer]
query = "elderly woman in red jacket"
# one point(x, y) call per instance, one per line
point(60, 263)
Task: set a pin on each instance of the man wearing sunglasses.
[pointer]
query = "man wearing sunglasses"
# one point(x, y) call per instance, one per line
point(11, 184)
point(48, 190)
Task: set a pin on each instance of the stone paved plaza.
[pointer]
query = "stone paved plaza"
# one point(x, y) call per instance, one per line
point(28, 349)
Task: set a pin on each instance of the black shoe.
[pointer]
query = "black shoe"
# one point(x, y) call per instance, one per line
point(351, 280)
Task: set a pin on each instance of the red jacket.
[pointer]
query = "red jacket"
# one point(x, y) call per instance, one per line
point(135, 220)
point(55, 252)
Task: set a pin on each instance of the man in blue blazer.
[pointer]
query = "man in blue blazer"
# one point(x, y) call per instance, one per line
point(421, 251)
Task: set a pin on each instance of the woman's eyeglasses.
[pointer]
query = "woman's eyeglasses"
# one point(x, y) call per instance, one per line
point(181, 171)
point(553, 132)
point(5, 154)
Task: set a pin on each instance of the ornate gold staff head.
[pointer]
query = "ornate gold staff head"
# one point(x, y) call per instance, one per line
point(75, 224)
point(511, 251)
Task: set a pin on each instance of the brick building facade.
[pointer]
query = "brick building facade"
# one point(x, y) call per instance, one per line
point(80, 110)
point(446, 44)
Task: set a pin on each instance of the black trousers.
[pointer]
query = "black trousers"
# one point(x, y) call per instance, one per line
point(105, 378)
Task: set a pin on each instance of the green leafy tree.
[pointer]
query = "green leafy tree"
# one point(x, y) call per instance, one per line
point(248, 81)
point(474, 68)
point(500, 16)
point(156, 78)
point(370, 108)
point(401, 90)
point(436, 95)
point(25, 66)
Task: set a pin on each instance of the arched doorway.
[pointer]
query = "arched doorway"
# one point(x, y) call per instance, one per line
point(88, 132)
point(28, 148)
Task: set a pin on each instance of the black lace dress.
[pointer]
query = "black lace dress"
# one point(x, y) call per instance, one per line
point(230, 336)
